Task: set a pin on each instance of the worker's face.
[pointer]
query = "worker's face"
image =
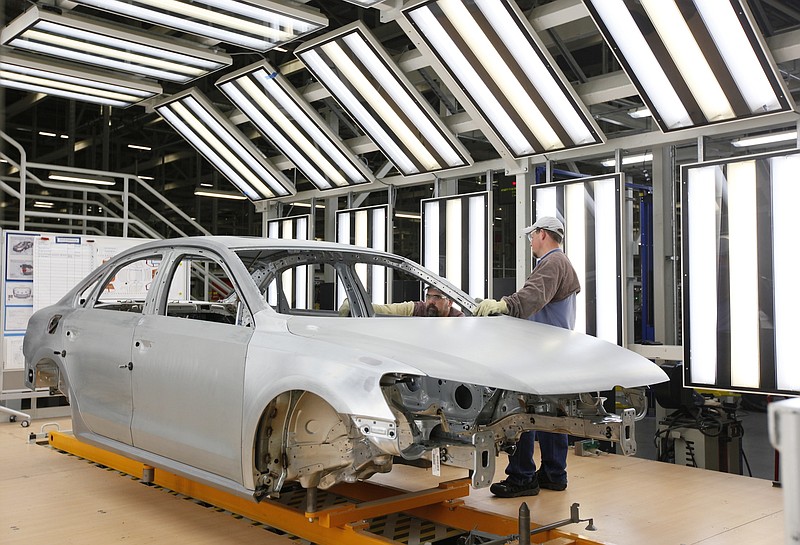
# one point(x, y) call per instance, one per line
point(537, 240)
point(436, 303)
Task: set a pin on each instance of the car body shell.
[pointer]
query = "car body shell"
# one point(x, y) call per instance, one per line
point(193, 396)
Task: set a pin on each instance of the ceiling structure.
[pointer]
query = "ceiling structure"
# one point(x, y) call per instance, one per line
point(136, 140)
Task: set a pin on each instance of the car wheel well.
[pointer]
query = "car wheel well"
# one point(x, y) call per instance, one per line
point(290, 431)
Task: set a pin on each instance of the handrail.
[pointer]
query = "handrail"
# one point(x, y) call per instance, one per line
point(125, 196)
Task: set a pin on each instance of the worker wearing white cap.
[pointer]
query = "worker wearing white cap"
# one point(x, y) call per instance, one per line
point(548, 296)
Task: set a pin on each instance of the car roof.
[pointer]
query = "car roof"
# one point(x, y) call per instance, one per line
point(243, 243)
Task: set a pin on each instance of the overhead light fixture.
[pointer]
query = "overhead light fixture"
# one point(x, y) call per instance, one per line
point(407, 215)
point(352, 65)
point(110, 46)
point(252, 24)
point(195, 118)
point(72, 81)
point(638, 113)
point(489, 48)
point(364, 3)
point(772, 138)
point(694, 62)
point(219, 194)
point(143, 148)
point(629, 160)
point(43, 204)
point(81, 178)
point(305, 205)
point(271, 103)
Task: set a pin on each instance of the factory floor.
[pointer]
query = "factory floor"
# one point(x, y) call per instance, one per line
point(47, 496)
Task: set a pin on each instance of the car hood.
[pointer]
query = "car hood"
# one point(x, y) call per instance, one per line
point(497, 351)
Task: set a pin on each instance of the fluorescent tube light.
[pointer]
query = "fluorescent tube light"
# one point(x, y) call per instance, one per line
point(195, 118)
point(24, 72)
point(367, 227)
point(628, 160)
point(694, 62)
point(43, 204)
point(143, 148)
point(110, 46)
point(407, 215)
point(765, 139)
point(279, 112)
point(352, 65)
point(252, 24)
point(80, 178)
point(639, 113)
point(219, 194)
point(489, 48)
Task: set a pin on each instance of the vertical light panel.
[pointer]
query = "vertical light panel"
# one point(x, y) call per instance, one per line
point(589, 208)
point(742, 248)
point(366, 227)
point(455, 242)
point(740, 227)
point(353, 66)
point(786, 224)
point(575, 243)
point(495, 57)
point(295, 281)
point(477, 232)
point(694, 62)
point(605, 242)
point(701, 234)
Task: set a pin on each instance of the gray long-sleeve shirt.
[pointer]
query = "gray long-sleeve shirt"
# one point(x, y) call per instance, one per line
point(552, 280)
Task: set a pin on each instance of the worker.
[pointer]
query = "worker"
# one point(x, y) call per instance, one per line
point(435, 304)
point(548, 296)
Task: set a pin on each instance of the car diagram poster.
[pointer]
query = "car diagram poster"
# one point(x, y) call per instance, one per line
point(18, 280)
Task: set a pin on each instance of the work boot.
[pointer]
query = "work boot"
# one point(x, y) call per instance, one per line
point(509, 489)
point(544, 482)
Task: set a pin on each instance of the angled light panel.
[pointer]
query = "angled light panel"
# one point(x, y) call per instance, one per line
point(352, 65)
point(110, 46)
point(252, 24)
point(694, 62)
point(493, 54)
point(223, 145)
point(296, 129)
point(68, 80)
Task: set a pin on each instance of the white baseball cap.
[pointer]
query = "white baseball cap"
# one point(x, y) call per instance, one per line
point(548, 223)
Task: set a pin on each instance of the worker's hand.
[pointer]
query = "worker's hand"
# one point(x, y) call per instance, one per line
point(491, 306)
point(344, 310)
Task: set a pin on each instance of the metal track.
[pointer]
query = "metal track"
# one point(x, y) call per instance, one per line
point(361, 513)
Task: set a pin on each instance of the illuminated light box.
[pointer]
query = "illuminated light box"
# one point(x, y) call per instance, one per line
point(740, 297)
point(353, 66)
point(491, 51)
point(455, 240)
point(295, 281)
point(590, 209)
point(694, 62)
point(366, 227)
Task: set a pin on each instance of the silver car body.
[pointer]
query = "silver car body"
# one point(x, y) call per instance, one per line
point(276, 395)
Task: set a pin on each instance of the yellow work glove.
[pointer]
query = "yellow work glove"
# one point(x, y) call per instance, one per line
point(344, 310)
point(395, 309)
point(491, 306)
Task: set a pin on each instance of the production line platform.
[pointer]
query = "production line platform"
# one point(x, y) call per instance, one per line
point(354, 514)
